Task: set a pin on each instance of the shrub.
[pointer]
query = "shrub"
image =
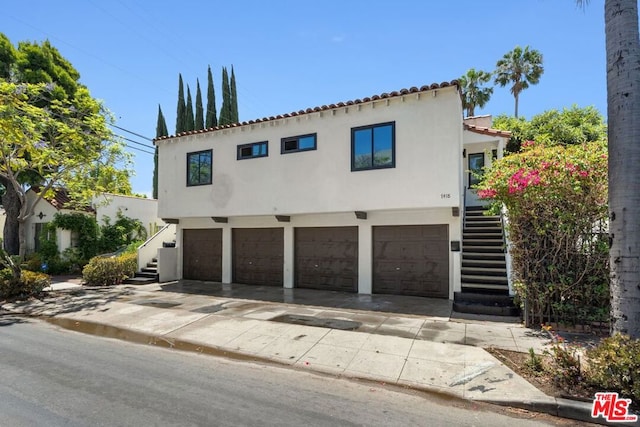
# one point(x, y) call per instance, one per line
point(101, 271)
point(30, 283)
point(556, 198)
point(614, 365)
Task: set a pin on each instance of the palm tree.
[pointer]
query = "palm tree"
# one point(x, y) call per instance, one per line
point(623, 110)
point(471, 90)
point(520, 68)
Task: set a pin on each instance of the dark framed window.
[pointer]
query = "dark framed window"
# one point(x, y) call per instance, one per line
point(373, 147)
point(250, 151)
point(476, 168)
point(294, 144)
point(199, 168)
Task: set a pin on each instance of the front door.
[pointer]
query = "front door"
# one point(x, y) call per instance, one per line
point(474, 172)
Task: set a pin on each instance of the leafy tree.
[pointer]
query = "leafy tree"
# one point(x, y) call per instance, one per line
point(225, 110)
point(233, 98)
point(472, 93)
point(52, 133)
point(212, 115)
point(181, 110)
point(189, 117)
point(7, 57)
point(519, 68)
point(569, 126)
point(60, 143)
point(199, 119)
point(161, 130)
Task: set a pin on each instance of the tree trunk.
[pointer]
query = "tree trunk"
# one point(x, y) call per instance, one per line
point(516, 96)
point(623, 110)
point(11, 204)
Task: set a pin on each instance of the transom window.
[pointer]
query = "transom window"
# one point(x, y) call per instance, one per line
point(298, 143)
point(199, 168)
point(373, 147)
point(250, 151)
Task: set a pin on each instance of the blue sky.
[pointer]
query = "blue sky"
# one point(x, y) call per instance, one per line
point(291, 55)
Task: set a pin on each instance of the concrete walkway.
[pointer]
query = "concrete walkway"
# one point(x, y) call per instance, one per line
point(434, 353)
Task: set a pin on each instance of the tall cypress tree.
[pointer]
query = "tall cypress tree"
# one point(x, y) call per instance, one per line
point(161, 130)
point(234, 98)
point(212, 114)
point(181, 110)
point(225, 110)
point(189, 120)
point(199, 124)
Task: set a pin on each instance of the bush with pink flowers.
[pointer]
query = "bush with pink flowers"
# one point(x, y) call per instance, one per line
point(556, 199)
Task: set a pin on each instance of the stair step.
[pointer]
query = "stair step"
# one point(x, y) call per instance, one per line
point(482, 224)
point(149, 270)
point(483, 298)
point(479, 278)
point(483, 218)
point(484, 263)
point(483, 230)
point(482, 234)
point(489, 285)
point(485, 303)
point(140, 280)
point(152, 264)
point(470, 253)
point(149, 275)
point(483, 242)
point(486, 249)
point(484, 271)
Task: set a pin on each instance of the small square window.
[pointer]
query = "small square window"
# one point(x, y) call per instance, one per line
point(250, 151)
point(294, 144)
point(373, 147)
point(199, 168)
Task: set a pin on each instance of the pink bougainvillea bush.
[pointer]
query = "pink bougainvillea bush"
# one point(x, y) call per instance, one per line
point(556, 200)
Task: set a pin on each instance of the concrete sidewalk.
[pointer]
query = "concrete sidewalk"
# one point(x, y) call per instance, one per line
point(437, 354)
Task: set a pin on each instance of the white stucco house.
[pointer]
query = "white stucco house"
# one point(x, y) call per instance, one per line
point(103, 205)
point(363, 196)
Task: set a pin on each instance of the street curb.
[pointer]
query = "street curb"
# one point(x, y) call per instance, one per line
point(563, 408)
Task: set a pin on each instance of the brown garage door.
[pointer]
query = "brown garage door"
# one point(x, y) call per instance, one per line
point(202, 254)
point(258, 256)
point(411, 260)
point(327, 258)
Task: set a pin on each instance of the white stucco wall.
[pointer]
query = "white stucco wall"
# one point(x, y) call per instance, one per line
point(3, 217)
point(428, 139)
point(145, 210)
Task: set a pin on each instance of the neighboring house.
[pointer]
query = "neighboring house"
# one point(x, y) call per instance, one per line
point(43, 213)
point(104, 205)
point(145, 210)
point(362, 196)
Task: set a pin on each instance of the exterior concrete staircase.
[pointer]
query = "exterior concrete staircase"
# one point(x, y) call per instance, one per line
point(148, 274)
point(485, 287)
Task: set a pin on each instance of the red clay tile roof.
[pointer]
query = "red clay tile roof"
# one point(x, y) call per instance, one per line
point(322, 108)
point(487, 131)
point(61, 200)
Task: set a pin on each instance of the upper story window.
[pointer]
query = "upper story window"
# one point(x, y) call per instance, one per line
point(250, 151)
point(199, 168)
point(373, 147)
point(298, 143)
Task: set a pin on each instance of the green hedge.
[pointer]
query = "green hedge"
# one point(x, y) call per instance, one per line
point(101, 271)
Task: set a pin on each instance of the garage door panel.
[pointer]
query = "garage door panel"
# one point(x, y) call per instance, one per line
point(411, 260)
point(258, 256)
point(327, 258)
point(202, 254)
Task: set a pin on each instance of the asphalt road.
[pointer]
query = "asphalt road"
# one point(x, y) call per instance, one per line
point(54, 377)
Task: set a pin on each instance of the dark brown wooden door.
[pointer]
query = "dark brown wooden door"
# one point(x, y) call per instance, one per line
point(327, 258)
point(202, 254)
point(411, 260)
point(258, 256)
